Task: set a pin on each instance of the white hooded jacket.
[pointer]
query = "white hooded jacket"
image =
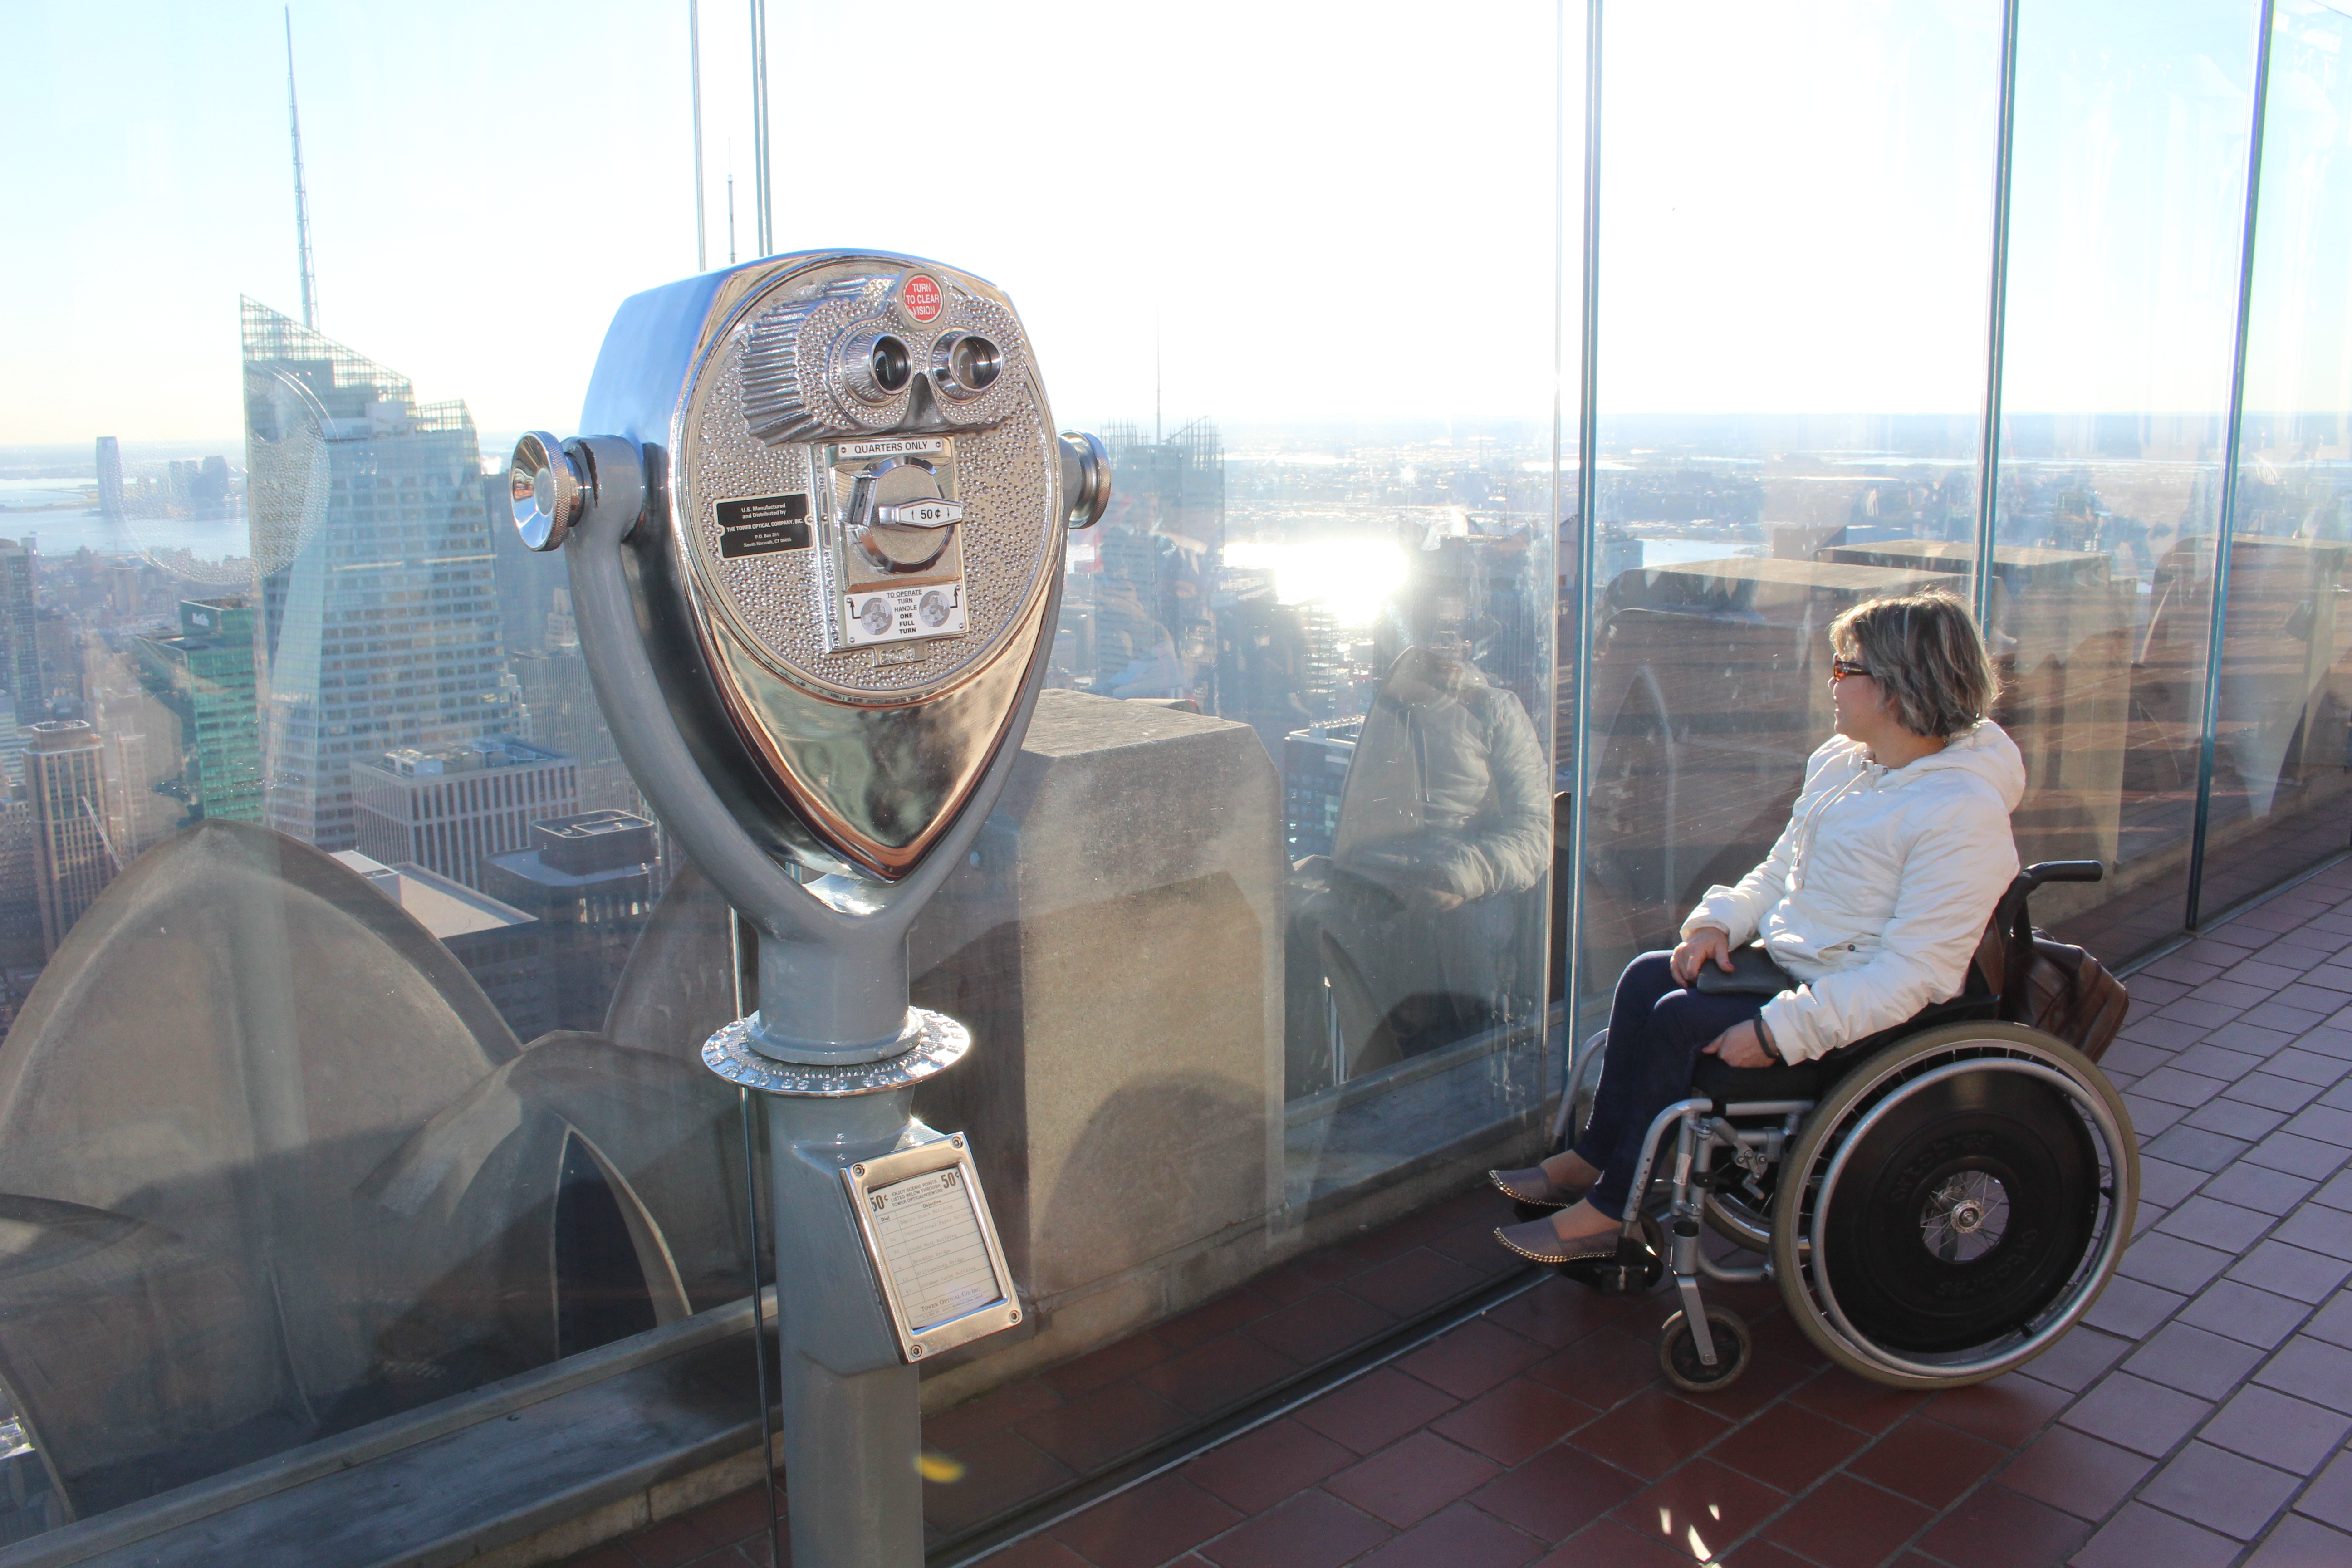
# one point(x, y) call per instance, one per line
point(1879, 888)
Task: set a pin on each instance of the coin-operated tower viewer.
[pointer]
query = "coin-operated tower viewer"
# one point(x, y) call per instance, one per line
point(815, 544)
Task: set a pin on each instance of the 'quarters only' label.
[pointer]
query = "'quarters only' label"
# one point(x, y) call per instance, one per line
point(891, 446)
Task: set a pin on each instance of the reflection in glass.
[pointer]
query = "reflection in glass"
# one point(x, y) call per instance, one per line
point(281, 806)
point(2128, 201)
point(1411, 932)
point(325, 1202)
point(2279, 768)
point(1371, 611)
point(329, 806)
point(1727, 542)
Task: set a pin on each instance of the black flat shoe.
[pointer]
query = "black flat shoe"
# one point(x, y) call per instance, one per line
point(1538, 1242)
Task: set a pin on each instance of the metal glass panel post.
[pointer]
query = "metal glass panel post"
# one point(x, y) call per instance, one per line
point(2226, 513)
point(1553, 504)
point(1996, 325)
point(737, 949)
point(694, 78)
point(760, 188)
point(1588, 451)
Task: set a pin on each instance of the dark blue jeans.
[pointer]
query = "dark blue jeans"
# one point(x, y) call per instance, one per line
point(1656, 1032)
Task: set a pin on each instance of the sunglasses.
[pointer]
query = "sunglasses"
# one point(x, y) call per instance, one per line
point(1842, 667)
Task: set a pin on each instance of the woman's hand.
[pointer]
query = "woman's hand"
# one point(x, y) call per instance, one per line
point(1742, 1045)
point(1706, 942)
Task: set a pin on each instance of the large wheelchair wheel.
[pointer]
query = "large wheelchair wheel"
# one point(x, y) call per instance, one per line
point(1954, 1204)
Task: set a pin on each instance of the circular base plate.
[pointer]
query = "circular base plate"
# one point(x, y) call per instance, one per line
point(939, 1044)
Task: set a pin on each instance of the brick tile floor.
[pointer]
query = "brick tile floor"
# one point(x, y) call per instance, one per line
point(2200, 1417)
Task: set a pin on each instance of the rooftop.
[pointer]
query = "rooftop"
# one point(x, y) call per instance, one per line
point(2198, 1417)
point(465, 757)
point(575, 852)
point(62, 735)
point(445, 908)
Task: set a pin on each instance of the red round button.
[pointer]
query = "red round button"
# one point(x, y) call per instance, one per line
point(920, 294)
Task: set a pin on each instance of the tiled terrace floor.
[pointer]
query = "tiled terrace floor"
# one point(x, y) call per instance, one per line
point(2199, 1418)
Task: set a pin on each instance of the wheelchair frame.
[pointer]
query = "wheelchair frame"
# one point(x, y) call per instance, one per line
point(1807, 1145)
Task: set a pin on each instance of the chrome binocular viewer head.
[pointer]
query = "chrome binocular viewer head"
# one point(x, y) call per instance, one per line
point(855, 504)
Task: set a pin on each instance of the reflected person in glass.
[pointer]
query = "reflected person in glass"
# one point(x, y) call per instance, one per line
point(1872, 901)
point(1416, 920)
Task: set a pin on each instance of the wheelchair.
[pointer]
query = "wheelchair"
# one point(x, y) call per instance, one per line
point(1937, 1204)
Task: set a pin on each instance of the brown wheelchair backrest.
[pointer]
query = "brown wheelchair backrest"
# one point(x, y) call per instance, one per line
point(2042, 982)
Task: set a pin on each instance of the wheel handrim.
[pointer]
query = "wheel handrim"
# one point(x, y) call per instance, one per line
point(2089, 1274)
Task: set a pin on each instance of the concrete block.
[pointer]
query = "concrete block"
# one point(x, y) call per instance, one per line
point(1116, 949)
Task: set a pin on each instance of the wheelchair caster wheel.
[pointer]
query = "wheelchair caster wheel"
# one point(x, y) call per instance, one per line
point(1678, 1355)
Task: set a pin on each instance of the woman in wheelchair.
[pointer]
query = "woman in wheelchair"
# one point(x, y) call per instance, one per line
point(1872, 901)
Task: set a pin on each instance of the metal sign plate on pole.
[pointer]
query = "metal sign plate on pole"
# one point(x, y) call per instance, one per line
point(933, 1245)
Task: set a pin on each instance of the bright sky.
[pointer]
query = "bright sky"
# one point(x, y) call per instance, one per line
point(1298, 214)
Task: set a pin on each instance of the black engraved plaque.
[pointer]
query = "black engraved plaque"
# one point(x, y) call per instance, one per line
point(762, 525)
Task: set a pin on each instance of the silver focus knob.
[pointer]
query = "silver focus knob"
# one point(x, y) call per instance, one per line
point(548, 490)
point(1086, 477)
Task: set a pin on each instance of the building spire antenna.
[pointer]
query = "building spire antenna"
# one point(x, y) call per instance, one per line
point(301, 199)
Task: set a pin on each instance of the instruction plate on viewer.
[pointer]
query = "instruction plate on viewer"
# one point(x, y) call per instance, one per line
point(933, 1246)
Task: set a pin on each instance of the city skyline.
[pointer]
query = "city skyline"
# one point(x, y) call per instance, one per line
point(1190, 316)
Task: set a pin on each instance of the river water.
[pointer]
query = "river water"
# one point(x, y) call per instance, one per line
point(63, 532)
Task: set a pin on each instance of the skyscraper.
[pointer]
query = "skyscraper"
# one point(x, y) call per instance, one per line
point(20, 900)
point(565, 716)
point(379, 608)
point(448, 810)
point(204, 676)
point(20, 634)
point(1157, 553)
point(593, 881)
point(109, 478)
point(12, 741)
point(1275, 662)
point(64, 771)
point(1315, 762)
point(210, 488)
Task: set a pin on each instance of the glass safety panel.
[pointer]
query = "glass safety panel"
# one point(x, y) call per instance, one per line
point(1791, 352)
point(2128, 199)
point(354, 995)
point(2280, 747)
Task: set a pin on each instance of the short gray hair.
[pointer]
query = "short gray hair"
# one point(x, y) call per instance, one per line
point(1927, 656)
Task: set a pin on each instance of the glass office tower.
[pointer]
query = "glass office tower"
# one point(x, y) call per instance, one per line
point(380, 618)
